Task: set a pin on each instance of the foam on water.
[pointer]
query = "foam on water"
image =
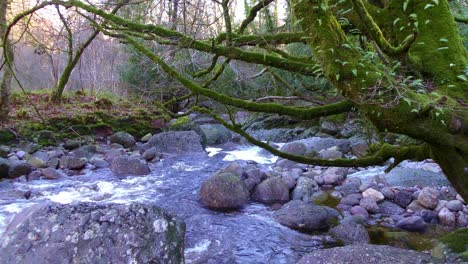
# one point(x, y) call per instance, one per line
point(250, 153)
point(199, 247)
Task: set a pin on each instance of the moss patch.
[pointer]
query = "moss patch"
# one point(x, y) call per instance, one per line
point(457, 241)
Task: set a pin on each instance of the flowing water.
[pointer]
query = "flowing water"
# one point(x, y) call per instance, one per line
point(250, 235)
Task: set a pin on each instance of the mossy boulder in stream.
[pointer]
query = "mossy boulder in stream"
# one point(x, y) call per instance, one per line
point(458, 242)
point(224, 191)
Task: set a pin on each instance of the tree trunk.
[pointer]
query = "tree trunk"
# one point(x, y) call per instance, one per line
point(5, 86)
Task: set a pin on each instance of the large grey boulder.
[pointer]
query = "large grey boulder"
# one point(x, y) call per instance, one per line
point(123, 138)
point(93, 233)
point(224, 191)
point(175, 142)
point(305, 215)
point(365, 253)
point(216, 134)
point(271, 190)
point(129, 165)
point(18, 168)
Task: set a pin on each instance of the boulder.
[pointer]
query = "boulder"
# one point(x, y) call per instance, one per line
point(305, 187)
point(296, 148)
point(129, 165)
point(329, 128)
point(305, 215)
point(151, 154)
point(73, 163)
point(454, 205)
point(216, 134)
point(358, 210)
point(403, 198)
point(446, 217)
point(234, 168)
point(334, 175)
point(4, 151)
point(330, 153)
point(224, 191)
point(18, 168)
point(388, 208)
point(175, 142)
point(351, 233)
point(351, 199)
point(37, 162)
point(72, 144)
point(123, 138)
point(146, 137)
point(51, 174)
point(374, 194)
point(253, 177)
point(412, 223)
point(99, 163)
point(93, 233)
point(4, 168)
point(365, 253)
point(429, 198)
point(271, 190)
point(370, 205)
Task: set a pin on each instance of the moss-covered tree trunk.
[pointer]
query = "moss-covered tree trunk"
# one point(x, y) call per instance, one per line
point(5, 85)
point(439, 118)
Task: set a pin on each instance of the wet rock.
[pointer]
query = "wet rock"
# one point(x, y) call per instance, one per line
point(234, 168)
point(53, 163)
point(29, 147)
point(4, 151)
point(462, 220)
point(359, 149)
point(123, 138)
point(94, 233)
point(351, 199)
point(34, 175)
point(441, 204)
point(334, 175)
point(296, 148)
point(351, 233)
point(408, 177)
point(429, 216)
point(75, 163)
point(412, 223)
point(216, 134)
point(446, 217)
point(111, 154)
point(99, 163)
point(4, 168)
point(388, 193)
point(288, 179)
point(304, 216)
point(330, 153)
point(271, 190)
point(348, 188)
point(429, 197)
point(305, 188)
point(151, 154)
point(454, 205)
point(415, 206)
point(358, 210)
point(51, 174)
point(175, 142)
point(20, 154)
point(129, 165)
point(389, 208)
point(253, 177)
point(72, 144)
point(370, 205)
point(18, 168)
point(373, 254)
point(224, 191)
point(403, 198)
point(86, 151)
point(37, 162)
point(329, 128)
point(374, 194)
point(448, 193)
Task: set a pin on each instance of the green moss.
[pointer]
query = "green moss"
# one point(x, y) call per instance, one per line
point(6, 136)
point(457, 241)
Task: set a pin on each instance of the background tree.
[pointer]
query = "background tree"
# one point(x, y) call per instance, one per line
point(5, 85)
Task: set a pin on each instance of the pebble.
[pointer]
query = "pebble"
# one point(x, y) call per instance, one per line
point(454, 205)
point(374, 194)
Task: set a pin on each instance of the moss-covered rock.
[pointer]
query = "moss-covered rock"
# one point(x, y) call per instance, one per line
point(458, 242)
